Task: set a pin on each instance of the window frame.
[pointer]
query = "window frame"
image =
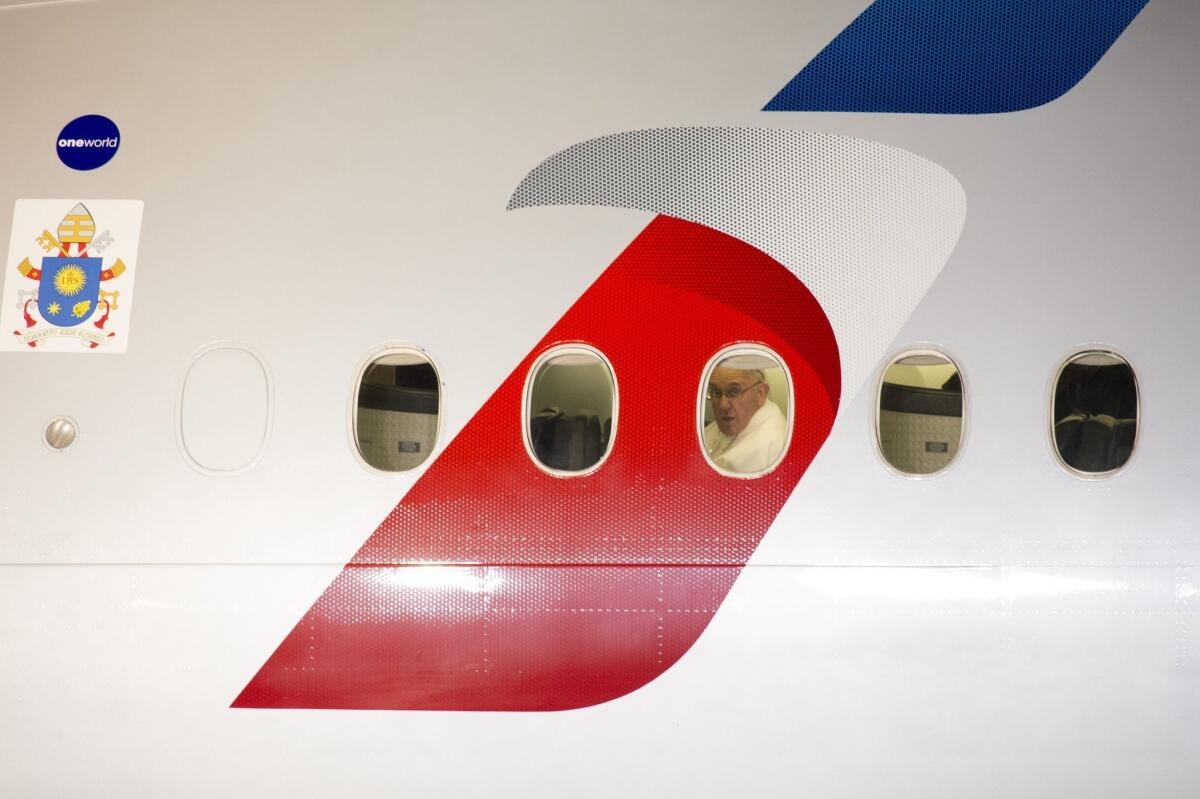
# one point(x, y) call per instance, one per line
point(730, 351)
point(382, 351)
point(877, 406)
point(1052, 389)
point(554, 351)
point(269, 422)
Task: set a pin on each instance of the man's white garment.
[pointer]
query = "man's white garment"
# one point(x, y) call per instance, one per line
point(754, 449)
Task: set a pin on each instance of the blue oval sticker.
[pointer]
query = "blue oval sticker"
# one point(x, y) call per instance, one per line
point(88, 142)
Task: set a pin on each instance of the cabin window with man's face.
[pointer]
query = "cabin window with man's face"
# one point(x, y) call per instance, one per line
point(746, 398)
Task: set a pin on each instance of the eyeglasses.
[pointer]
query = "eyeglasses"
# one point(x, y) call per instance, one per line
point(733, 392)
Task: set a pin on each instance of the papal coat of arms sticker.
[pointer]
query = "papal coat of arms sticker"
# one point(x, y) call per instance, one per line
point(68, 280)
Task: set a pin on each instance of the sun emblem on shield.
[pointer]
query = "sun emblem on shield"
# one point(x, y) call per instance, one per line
point(70, 280)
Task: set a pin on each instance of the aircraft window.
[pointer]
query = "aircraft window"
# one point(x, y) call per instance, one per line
point(921, 408)
point(1095, 413)
point(396, 417)
point(745, 406)
point(224, 412)
point(570, 410)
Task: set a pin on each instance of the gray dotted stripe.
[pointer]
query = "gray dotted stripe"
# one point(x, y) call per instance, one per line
point(865, 226)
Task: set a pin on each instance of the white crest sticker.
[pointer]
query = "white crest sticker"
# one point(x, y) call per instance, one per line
point(68, 279)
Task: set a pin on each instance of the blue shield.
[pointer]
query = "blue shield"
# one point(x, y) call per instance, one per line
point(69, 290)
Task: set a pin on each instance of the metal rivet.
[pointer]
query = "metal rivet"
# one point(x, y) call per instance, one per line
point(61, 433)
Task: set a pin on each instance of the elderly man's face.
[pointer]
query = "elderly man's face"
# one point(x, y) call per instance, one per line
point(733, 414)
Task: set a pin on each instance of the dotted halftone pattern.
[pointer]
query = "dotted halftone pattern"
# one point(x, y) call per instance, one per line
point(495, 638)
point(864, 226)
point(495, 586)
point(960, 57)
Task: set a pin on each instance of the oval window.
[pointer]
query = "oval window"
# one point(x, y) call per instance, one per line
point(919, 422)
point(224, 411)
point(745, 402)
point(398, 409)
point(1094, 416)
point(570, 410)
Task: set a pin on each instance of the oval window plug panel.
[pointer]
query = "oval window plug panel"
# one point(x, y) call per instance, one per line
point(225, 410)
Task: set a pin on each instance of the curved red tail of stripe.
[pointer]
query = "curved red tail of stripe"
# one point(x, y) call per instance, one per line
point(555, 593)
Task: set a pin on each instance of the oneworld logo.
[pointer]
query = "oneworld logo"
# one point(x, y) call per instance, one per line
point(88, 142)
